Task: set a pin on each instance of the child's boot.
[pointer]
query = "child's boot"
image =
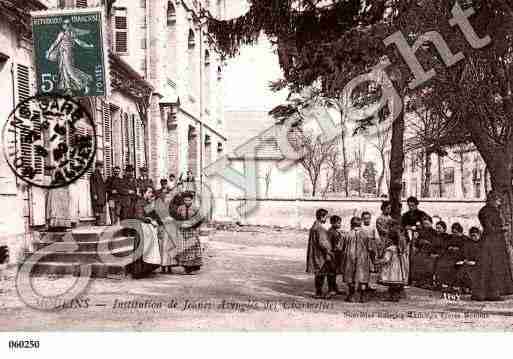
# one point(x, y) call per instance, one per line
point(350, 295)
point(362, 294)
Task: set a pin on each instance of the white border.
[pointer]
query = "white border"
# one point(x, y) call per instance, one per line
point(105, 48)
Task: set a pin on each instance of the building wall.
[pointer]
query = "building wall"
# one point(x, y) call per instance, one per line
point(461, 174)
point(179, 70)
point(13, 193)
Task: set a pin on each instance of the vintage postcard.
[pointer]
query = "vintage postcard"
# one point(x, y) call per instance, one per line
point(260, 165)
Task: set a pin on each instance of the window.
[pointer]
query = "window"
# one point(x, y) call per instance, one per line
point(143, 44)
point(191, 40)
point(121, 31)
point(143, 66)
point(219, 73)
point(143, 4)
point(219, 11)
point(171, 13)
point(449, 175)
point(81, 3)
point(207, 58)
point(193, 73)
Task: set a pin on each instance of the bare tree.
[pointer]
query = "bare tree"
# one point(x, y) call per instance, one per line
point(359, 164)
point(381, 143)
point(335, 175)
point(267, 179)
point(316, 154)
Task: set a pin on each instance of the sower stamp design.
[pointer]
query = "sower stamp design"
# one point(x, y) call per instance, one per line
point(49, 141)
point(70, 52)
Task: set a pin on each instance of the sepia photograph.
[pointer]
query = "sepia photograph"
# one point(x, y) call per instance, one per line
point(255, 166)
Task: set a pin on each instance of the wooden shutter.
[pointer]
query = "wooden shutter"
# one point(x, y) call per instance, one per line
point(81, 3)
point(121, 31)
point(140, 160)
point(107, 138)
point(25, 88)
point(131, 140)
point(83, 130)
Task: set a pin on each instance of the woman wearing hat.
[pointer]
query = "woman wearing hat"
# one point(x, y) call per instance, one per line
point(493, 276)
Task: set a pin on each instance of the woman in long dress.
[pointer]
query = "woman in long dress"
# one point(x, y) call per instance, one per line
point(493, 275)
point(189, 247)
point(384, 226)
point(70, 78)
point(166, 232)
point(148, 258)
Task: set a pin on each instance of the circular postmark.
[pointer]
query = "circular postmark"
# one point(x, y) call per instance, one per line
point(49, 141)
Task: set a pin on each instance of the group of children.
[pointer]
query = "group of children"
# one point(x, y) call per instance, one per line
point(354, 255)
point(444, 260)
point(424, 256)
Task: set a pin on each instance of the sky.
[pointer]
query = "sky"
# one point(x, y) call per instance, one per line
point(247, 76)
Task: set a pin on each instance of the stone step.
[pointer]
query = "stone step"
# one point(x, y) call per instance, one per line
point(114, 243)
point(95, 234)
point(81, 256)
point(98, 270)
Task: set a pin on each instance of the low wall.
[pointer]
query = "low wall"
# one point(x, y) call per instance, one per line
point(300, 213)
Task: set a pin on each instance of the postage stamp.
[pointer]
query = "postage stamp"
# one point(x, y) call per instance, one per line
point(70, 52)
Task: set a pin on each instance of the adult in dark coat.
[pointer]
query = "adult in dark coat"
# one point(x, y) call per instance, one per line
point(493, 275)
point(115, 190)
point(98, 187)
point(143, 182)
point(319, 255)
point(128, 194)
point(414, 216)
point(426, 251)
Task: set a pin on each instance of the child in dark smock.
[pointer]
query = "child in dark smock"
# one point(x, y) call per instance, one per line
point(451, 253)
point(358, 252)
point(466, 266)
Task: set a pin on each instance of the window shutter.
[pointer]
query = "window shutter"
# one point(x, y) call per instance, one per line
point(121, 32)
point(81, 3)
point(139, 144)
point(107, 138)
point(126, 139)
point(25, 88)
point(82, 130)
point(131, 141)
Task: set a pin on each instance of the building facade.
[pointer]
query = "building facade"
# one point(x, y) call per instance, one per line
point(165, 110)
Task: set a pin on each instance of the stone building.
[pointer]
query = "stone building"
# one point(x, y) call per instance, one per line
point(165, 110)
point(168, 44)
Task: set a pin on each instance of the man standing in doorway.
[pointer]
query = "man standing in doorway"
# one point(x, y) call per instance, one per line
point(115, 190)
point(144, 181)
point(129, 193)
point(98, 188)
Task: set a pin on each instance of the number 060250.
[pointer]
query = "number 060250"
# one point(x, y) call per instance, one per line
point(24, 344)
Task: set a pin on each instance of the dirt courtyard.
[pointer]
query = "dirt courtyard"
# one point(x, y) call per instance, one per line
point(252, 280)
